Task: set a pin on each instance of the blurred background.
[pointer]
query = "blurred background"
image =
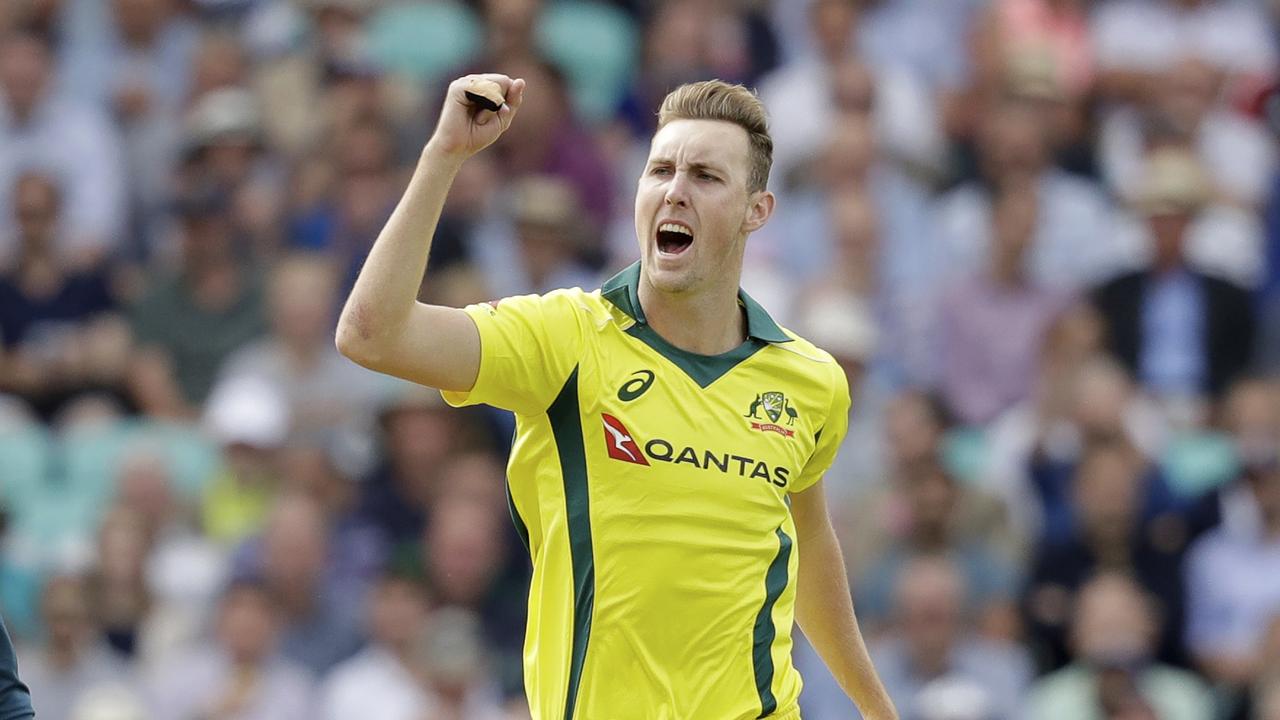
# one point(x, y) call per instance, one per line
point(1042, 237)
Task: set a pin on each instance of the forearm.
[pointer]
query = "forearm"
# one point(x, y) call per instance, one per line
point(824, 610)
point(389, 283)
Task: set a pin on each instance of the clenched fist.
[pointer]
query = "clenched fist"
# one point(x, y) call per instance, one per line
point(465, 126)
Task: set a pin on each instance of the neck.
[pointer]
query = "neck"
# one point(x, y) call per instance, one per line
point(695, 322)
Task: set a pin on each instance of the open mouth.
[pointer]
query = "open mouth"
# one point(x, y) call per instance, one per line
point(674, 238)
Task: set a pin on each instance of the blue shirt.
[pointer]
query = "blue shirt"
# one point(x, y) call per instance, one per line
point(15, 701)
point(1172, 358)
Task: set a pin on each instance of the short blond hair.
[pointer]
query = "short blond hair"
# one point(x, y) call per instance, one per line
point(719, 100)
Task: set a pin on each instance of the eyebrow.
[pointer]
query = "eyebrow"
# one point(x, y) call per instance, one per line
point(695, 166)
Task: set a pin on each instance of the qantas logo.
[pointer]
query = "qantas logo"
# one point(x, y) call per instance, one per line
point(619, 443)
point(622, 445)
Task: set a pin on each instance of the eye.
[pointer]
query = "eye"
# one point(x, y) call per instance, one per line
point(660, 170)
point(706, 176)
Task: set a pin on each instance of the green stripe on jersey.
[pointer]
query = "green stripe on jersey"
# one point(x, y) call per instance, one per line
point(775, 581)
point(566, 427)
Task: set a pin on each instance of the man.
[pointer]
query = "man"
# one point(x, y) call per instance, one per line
point(15, 701)
point(663, 525)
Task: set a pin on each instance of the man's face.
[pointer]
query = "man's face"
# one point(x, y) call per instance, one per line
point(693, 207)
point(24, 72)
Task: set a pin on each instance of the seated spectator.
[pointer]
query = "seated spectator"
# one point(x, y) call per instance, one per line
point(1109, 532)
point(383, 680)
point(1074, 221)
point(419, 433)
point(457, 667)
point(119, 582)
point(1233, 582)
point(187, 324)
point(1183, 334)
point(318, 609)
point(239, 674)
point(1186, 108)
point(992, 323)
point(934, 639)
point(56, 322)
point(929, 518)
point(884, 516)
point(468, 560)
point(324, 391)
point(1113, 674)
point(75, 659)
point(250, 421)
point(53, 134)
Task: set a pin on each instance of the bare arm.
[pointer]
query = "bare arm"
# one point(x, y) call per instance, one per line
point(383, 326)
point(824, 607)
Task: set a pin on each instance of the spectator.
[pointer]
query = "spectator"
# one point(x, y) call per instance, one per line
point(56, 321)
point(452, 653)
point(934, 640)
point(238, 676)
point(250, 421)
point(1182, 333)
point(75, 659)
point(71, 142)
point(383, 680)
point(935, 518)
point(1114, 527)
point(992, 324)
point(1233, 582)
point(324, 392)
point(188, 323)
point(1074, 220)
point(319, 625)
point(1114, 675)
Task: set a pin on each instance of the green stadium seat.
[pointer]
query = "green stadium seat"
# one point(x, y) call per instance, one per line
point(596, 45)
point(423, 40)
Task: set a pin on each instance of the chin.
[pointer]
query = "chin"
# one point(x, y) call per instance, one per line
point(670, 280)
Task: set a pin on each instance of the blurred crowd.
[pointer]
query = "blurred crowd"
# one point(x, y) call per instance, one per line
point(1041, 236)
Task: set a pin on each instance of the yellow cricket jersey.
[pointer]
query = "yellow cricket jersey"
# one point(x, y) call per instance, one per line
point(650, 485)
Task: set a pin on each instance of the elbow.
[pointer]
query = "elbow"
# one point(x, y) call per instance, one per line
point(355, 338)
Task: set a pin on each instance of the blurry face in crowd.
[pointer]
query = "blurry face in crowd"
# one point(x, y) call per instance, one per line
point(696, 177)
point(676, 43)
point(296, 547)
point(931, 495)
point(509, 25)
point(855, 226)
point(143, 486)
point(418, 440)
point(464, 550)
point(1108, 483)
point(850, 149)
point(1114, 623)
point(913, 430)
point(308, 470)
point(930, 603)
point(35, 205)
point(24, 72)
point(1101, 392)
point(1252, 415)
point(832, 24)
point(1012, 144)
point(247, 625)
point(475, 477)
point(397, 613)
point(139, 20)
point(301, 299)
point(1187, 92)
point(219, 63)
point(65, 610)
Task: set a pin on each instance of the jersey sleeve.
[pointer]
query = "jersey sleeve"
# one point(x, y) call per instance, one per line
point(529, 345)
point(15, 701)
point(831, 435)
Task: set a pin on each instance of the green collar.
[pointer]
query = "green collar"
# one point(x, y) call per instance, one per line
point(623, 291)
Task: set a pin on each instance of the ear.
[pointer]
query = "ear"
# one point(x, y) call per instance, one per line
point(759, 211)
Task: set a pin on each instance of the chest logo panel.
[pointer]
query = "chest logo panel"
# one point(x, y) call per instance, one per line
point(775, 405)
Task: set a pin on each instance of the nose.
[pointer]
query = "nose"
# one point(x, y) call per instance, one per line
point(677, 191)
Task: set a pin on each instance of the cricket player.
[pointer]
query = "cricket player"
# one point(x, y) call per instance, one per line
point(15, 701)
point(666, 473)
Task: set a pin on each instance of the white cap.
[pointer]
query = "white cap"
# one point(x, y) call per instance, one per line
point(840, 323)
point(247, 410)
